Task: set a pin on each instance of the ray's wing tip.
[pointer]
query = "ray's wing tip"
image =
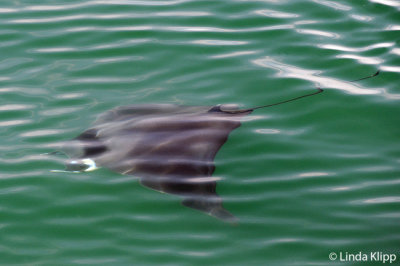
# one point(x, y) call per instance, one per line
point(224, 215)
point(214, 209)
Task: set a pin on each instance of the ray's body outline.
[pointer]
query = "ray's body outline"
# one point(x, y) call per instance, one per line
point(170, 148)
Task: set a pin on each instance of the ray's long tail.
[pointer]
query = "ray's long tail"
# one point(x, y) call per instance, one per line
point(319, 90)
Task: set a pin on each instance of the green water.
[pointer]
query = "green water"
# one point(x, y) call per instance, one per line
point(305, 179)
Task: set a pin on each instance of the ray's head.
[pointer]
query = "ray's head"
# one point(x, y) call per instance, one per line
point(81, 165)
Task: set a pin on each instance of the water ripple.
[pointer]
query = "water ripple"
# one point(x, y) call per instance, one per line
point(358, 49)
point(333, 5)
point(362, 59)
point(319, 33)
point(275, 14)
point(392, 3)
point(13, 107)
point(104, 17)
point(295, 72)
point(218, 42)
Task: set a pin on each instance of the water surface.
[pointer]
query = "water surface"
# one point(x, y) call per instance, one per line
point(305, 179)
